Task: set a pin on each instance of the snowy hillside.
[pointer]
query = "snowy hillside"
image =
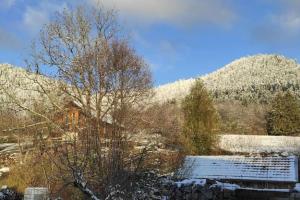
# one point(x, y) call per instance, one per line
point(22, 87)
point(252, 78)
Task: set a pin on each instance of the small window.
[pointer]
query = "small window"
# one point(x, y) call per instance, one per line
point(104, 130)
point(67, 121)
point(73, 120)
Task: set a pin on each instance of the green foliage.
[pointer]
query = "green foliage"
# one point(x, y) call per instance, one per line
point(284, 116)
point(200, 120)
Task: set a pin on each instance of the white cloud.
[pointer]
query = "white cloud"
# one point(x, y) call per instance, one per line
point(36, 16)
point(178, 12)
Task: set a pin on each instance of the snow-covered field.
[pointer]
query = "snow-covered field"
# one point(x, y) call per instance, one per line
point(260, 144)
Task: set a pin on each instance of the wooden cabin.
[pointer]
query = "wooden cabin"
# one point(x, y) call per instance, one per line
point(73, 119)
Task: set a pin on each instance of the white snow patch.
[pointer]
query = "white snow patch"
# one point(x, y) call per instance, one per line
point(201, 182)
point(4, 170)
point(225, 186)
point(268, 189)
point(297, 187)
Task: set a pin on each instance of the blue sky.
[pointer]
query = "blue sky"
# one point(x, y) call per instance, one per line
point(178, 38)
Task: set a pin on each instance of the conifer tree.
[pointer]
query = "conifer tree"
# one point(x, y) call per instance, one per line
point(200, 120)
point(283, 117)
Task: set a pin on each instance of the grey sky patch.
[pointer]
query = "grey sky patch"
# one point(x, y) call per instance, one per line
point(164, 49)
point(136, 36)
point(177, 12)
point(173, 51)
point(6, 4)
point(168, 48)
point(281, 27)
point(9, 41)
point(289, 16)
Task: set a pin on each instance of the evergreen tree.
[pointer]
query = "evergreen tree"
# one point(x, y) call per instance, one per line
point(200, 120)
point(284, 116)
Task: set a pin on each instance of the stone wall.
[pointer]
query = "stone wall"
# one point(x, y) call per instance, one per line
point(214, 190)
point(211, 190)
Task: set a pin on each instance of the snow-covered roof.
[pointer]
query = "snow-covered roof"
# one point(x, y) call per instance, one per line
point(254, 168)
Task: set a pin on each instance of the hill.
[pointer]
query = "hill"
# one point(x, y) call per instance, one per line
point(23, 87)
point(252, 79)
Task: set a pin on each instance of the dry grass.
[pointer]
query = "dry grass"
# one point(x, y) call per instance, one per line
point(36, 171)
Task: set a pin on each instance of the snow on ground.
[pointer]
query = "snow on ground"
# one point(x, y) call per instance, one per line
point(225, 186)
point(260, 144)
point(281, 169)
point(14, 147)
point(297, 187)
point(4, 170)
point(268, 189)
point(5, 145)
point(201, 182)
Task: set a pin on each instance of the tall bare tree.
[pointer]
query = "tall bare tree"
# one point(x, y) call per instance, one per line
point(88, 62)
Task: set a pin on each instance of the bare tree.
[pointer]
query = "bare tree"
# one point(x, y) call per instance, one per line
point(89, 63)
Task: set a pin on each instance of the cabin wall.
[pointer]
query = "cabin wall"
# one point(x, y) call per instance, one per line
point(73, 119)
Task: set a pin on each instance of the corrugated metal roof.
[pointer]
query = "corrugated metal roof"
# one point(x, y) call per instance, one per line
point(280, 169)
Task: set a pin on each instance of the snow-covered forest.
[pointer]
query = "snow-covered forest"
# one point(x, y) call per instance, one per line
point(252, 79)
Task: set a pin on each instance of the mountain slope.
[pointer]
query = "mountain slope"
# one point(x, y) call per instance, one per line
point(23, 88)
point(252, 78)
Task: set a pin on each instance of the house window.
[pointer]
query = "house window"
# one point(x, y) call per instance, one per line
point(67, 121)
point(104, 130)
point(73, 120)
